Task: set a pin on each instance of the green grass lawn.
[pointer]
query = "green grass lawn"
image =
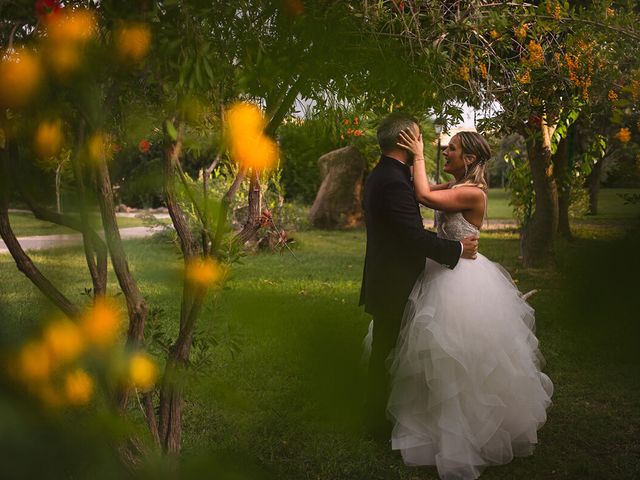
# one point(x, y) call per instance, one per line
point(25, 224)
point(287, 404)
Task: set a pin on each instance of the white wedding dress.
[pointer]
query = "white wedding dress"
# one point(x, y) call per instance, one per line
point(466, 386)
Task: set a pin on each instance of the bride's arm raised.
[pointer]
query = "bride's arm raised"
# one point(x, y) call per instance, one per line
point(448, 200)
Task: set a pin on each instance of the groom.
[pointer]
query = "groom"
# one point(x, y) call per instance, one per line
point(397, 247)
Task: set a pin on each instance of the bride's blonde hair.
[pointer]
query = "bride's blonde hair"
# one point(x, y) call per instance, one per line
point(474, 144)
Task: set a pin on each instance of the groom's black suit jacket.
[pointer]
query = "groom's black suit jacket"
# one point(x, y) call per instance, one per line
point(397, 243)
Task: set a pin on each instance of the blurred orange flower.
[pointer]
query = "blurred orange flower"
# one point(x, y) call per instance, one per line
point(143, 372)
point(34, 362)
point(250, 147)
point(524, 78)
point(101, 323)
point(483, 70)
point(100, 147)
point(67, 32)
point(64, 340)
point(204, 272)
point(521, 31)
point(132, 42)
point(624, 135)
point(612, 96)
point(536, 56)
point(76, 26)
point(63, 58)
point(20, 75)
point(48, 138)
point(464, 73)
point(78, 387)
point(144, 146)
point(245, 119)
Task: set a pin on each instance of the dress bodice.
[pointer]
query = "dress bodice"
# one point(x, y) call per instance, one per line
point(453, 226)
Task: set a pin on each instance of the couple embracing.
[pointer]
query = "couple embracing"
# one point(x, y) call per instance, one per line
point(454, 367)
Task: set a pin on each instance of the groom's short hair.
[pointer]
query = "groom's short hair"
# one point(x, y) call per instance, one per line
point(390, 127)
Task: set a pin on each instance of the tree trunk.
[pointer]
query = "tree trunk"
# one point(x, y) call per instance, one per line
point(562, 177)
point(593, 181)
point(538, 234)
point(284, 103)
point(97, 267)
point(171, 390)
point(252, 224)
point(58, 181)
point(136, 305)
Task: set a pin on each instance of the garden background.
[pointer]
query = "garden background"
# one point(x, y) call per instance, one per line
point(228, 344)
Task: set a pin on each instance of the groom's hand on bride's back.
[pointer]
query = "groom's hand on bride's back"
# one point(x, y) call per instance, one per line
point(469, 247)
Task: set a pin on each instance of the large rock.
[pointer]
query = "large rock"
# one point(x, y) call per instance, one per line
point(338, 203)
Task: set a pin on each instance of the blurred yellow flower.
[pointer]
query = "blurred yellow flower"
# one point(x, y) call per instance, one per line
point(143, 372)
point(521, 31)
point(78, 387)
point(536, 56)
point(101, 323)
point(204, 272)
point(48, 138)
point(524, 78)
point(63, 58)
point(259, 152)
point(250, 147)
point(34, 362)
point(20, 75)
point(245, 119)
point(132, 42)
point(99, 147)
point(624, 135)
point(64, 340)
point(483, 70)
point(612, 96)
point(494, 34)
point(76, 26)
point(67, 32)
point(464, 73)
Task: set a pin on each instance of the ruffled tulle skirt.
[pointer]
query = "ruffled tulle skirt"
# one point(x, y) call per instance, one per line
point(466, 385)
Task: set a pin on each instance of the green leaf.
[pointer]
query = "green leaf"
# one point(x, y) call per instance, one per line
point(171, 130)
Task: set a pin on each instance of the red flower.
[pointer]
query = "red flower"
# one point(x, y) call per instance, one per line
point(293, 7)
point(346, 121)
point(358, 133)
point(45, 8)
point(266, 219)
point(356, 121)
point(144, 145)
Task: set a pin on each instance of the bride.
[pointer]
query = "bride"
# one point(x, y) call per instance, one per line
point(466, 388)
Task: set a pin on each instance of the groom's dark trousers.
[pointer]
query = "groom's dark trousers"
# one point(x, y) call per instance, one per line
point(397, 247)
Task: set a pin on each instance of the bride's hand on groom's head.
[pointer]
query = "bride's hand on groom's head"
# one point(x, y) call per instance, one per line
point(412, 143)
